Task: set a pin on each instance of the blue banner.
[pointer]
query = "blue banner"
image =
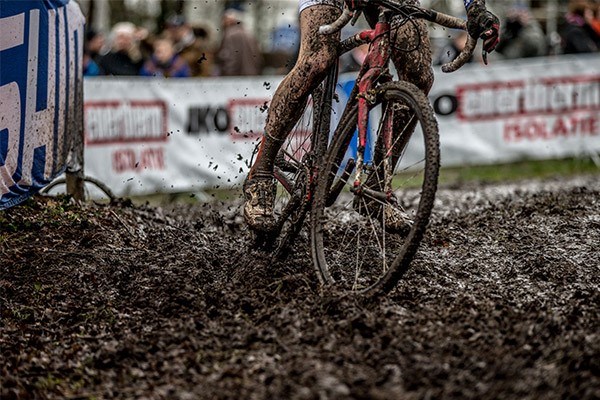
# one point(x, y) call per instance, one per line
point(41, 46)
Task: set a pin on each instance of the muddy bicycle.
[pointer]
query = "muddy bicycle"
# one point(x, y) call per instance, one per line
point(369, 170)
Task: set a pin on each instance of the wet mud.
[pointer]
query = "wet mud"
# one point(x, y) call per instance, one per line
point(118, 301)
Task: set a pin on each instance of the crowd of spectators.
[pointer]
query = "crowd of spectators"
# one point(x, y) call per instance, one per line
point(522, 36)
point(185, 50)
point(181, 50)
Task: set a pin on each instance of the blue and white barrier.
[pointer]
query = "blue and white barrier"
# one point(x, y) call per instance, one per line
point(41, 46)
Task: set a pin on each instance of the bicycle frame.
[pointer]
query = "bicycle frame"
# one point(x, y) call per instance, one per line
point(373, 71)
point(316, 180)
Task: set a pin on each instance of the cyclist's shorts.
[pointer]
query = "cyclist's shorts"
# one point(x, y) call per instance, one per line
point(303, 4)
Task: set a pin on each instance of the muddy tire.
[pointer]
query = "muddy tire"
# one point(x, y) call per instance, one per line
point(293, 168)
point(354, 252)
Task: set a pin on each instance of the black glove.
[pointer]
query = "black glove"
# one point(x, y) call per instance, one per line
point(483, 24)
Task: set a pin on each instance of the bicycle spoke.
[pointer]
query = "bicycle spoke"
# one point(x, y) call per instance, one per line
point(358, 264)
point(367, 232)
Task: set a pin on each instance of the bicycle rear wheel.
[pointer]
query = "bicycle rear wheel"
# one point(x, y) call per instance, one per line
point(291, 173)
point(351, 248)
point(295, 166)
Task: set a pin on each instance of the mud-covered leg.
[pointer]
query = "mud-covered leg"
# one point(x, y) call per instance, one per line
point(317, 54)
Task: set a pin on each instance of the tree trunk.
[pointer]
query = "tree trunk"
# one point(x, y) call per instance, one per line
point(91, 12)
point(118, 12)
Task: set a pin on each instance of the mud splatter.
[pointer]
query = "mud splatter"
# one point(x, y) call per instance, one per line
point(128, 302)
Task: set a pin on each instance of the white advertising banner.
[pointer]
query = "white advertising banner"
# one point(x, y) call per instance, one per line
point(539, 108)
point(146, 135)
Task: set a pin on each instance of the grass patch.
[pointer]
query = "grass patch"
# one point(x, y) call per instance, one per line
point(531, 169)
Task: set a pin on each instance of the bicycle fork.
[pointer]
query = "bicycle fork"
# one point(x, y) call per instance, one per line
point(374, 70)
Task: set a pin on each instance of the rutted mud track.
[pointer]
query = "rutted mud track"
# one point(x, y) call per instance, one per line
point(127, 302)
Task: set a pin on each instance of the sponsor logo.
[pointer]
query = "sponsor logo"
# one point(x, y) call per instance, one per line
point(242, 119)
point(550, 96)
point(248, 117)
point(127, 160)
point(112, 122)
point(528, 110)
point(202, 120)
point(543, 128)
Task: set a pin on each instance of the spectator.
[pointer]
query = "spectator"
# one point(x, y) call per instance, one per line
point(125, 57)
point(239, 53)
point(92, 48)
point(144, 41)
point(578, 36)
point(188, 46)
point(452, 49)
point(208, 44)
point(522, 36)
point(94, 44)
point(90, 68)
point(592, 17)
point(165, 62)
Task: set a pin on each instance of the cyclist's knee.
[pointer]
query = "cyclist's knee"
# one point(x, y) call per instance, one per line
point(312, 67)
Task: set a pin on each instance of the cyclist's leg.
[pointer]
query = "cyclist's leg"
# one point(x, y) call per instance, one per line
point(317, 54)
point(413, 66)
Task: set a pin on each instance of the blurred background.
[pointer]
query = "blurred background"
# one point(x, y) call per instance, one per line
point(539, 27)
point(534, 114)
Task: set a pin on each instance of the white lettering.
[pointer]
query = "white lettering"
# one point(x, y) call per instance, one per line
point(62, 91)
point(560, 98)
point(533, 97)
point(39, 125)
point(13, 35)
point(12, 31)
point(10, 119)
point(587, 95)
point(124, 122)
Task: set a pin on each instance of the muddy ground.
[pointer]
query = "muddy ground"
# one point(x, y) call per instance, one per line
point(139, 302)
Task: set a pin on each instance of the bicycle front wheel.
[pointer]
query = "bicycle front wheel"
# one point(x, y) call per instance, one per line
point(353, 247)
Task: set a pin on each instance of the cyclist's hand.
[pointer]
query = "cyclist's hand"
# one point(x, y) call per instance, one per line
point(484, 25)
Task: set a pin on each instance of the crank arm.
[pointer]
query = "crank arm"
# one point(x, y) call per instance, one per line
point(374, 194)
